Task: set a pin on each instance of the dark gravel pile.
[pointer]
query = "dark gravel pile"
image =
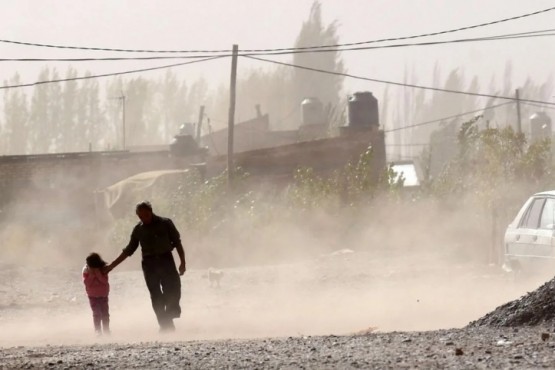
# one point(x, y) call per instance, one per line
point(478, 348)
point(535, 308)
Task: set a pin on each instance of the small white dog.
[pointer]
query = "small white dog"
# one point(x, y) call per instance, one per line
point(214, 277)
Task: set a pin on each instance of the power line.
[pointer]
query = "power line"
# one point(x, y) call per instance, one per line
point(528, 34)
point(280, 49)
point(398, 83)
point(446, 118)
point(538, 106)
point(110, 58)
point(107, 74)
point(430, 34)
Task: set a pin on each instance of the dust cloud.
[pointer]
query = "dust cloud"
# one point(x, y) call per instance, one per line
point(397, 265)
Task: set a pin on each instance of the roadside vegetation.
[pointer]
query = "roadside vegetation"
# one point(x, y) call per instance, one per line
point(471, 199)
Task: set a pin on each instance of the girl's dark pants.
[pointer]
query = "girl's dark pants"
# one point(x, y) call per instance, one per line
point(101, 313)
point(164, 285)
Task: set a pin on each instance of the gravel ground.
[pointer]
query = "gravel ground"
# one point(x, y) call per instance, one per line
point(457, 349)
point(45, 321)
point(535, 308)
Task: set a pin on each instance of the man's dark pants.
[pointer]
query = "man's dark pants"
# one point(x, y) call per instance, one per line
point(164, 285)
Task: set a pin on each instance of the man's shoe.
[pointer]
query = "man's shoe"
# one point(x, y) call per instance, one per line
point(167, 327)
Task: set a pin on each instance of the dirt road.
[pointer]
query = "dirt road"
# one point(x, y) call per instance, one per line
point(46, 322)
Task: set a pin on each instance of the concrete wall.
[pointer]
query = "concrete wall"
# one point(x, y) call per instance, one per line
point(70, 179)
point(249, 135)
point(73, 177)
point(322, 155)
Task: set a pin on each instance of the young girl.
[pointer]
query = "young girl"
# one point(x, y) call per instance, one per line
point(97, 288)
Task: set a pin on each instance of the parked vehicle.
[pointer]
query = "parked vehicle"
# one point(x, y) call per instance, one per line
point(531, 235)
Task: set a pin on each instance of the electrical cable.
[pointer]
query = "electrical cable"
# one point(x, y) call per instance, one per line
point(448, 117)
point(521, 35)
point(110, 59)
point(281, 49)
point(537, 105)
point(512, 36)
point(107, 74)
point(398, 83)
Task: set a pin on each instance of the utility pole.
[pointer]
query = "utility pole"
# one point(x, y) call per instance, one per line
point(518, 116)
point(231, 117)
point(199, 123)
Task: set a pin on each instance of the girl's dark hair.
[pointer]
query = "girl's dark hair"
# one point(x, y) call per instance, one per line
point(95, 261)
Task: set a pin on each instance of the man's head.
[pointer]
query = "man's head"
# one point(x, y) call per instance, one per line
point(144, 212)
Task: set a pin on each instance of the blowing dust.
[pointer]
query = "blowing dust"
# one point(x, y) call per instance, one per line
point(395, 266)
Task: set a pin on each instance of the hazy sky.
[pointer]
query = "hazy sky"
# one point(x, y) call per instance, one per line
point(208, 24)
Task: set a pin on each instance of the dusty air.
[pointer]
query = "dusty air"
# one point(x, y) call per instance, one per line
point(294, 184)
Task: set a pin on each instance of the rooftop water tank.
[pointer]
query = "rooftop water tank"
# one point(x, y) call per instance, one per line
point(363, 110)
point(187, 129)
point(183, 143)
point(540, 126)
point(312, 112)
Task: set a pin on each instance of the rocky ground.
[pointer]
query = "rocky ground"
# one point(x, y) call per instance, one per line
point(457, 349)
point(535, 308)
point(343, 310)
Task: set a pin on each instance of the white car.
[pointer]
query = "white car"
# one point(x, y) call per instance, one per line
point(531, 235)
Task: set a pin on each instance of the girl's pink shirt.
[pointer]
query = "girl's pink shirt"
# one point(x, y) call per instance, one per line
point(96, 283)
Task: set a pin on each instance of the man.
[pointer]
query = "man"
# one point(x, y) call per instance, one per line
point(157, 237)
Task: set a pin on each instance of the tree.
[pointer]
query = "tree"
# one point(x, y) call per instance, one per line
point(313, 84)
point(280, 91)
point(55, 114)
point(40, 133)
point(94, 122)
point(70, 124)
point(113, 114)
point(139, 102)
point(16, 116)
point(172, 105)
